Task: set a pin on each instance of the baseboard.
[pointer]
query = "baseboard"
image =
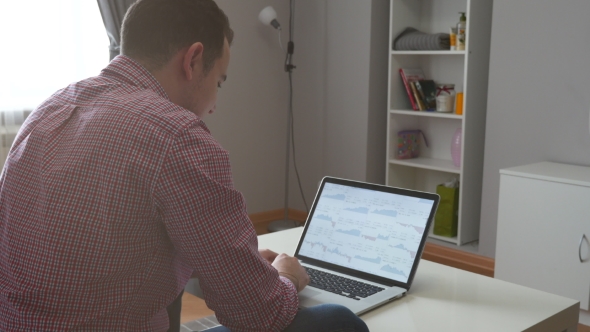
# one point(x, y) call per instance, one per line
point(432, 252)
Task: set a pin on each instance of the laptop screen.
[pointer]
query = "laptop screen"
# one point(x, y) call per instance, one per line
point(369, 228)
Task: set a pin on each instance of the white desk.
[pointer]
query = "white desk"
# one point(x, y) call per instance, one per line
point(443, 298)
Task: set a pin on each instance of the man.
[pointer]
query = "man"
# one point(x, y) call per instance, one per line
point(115, 193)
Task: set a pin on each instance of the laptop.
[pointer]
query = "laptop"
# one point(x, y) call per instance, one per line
point(362, 243)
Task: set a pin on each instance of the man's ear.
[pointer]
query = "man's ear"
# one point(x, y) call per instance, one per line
point(193, 59)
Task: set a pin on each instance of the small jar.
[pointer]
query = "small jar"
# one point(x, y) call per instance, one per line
point(445, 98)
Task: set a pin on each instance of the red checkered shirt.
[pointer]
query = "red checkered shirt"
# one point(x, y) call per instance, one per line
point(111, 197)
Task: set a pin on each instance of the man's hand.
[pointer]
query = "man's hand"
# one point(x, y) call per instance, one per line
point(290, 268)
point(268, 255)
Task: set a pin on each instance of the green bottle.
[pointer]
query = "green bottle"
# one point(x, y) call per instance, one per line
point(461, 31)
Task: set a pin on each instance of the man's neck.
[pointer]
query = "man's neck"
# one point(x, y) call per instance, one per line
point(170, 78)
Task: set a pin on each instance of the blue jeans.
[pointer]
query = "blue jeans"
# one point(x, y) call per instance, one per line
point(321, 318)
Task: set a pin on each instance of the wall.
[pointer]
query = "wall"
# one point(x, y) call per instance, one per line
point(538, 98)
point(378, 84)
point(340, 92)
point(339, 97)
point(538, 102)
point(356, 89)
point(251, 107)
point(309, 84)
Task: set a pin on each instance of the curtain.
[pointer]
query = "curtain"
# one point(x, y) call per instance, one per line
point(112, 12)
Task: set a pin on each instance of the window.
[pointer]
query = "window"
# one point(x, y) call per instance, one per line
point(45, 46)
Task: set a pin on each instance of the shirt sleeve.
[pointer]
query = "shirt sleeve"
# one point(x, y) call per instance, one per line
point(207, 220)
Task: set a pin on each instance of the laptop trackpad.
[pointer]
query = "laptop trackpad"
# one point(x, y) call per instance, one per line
point(310, 297)
point(308, 292)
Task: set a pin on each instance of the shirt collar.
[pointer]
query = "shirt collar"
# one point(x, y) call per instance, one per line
point(124, 69)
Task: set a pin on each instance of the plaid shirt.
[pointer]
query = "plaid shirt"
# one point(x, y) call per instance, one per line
point(111, 198)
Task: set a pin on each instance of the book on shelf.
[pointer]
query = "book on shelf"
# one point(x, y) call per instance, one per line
point(409, 75)
point(427, 91)
point(417, 97)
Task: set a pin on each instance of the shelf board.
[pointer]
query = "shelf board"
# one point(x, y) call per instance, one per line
point(427, 114)
point(428, 52)
point(442, 238)
point(428, 163)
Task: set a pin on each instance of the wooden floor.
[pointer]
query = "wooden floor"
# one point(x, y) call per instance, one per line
point(193, 308)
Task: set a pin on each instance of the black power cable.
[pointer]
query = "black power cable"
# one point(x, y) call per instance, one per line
point(289, 69)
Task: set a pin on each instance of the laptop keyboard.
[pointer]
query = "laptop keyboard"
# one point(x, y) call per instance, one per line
point(340, 285)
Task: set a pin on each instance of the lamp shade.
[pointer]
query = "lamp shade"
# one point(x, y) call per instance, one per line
point(268, 16)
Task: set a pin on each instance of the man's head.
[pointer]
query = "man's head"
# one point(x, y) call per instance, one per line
point(183, 43)
point(154, 30)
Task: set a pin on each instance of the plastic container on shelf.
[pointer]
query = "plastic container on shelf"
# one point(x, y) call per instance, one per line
point(461, 32)
point(453, 38)
point(445, 98)
point(459, 102)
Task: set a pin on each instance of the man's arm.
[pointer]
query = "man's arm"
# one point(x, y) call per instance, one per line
point(207, 221)
point(268, 255)
point(290, 268)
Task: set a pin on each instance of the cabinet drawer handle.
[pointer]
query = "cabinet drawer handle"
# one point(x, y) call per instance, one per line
point(580, 247)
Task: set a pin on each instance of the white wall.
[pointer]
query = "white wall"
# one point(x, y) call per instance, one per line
point(340, 92)
point(539, 94)
point(309, 79)
point(347, 87)
point(251, 108)
point(376, 130)
point(356, 89)
point(339, 97)
point(538, 101)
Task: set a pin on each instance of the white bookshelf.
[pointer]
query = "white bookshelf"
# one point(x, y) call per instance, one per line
point(468, 70)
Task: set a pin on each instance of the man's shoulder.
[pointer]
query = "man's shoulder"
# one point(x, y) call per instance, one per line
point(143, 105)
point(160, 112)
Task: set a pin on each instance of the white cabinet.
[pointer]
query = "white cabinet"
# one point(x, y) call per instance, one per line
point(543, 227)
point(467, 69)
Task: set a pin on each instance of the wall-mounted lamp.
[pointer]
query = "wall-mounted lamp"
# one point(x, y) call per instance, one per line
point(268, 16)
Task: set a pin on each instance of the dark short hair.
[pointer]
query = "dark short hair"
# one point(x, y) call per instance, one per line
point(154, 30)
